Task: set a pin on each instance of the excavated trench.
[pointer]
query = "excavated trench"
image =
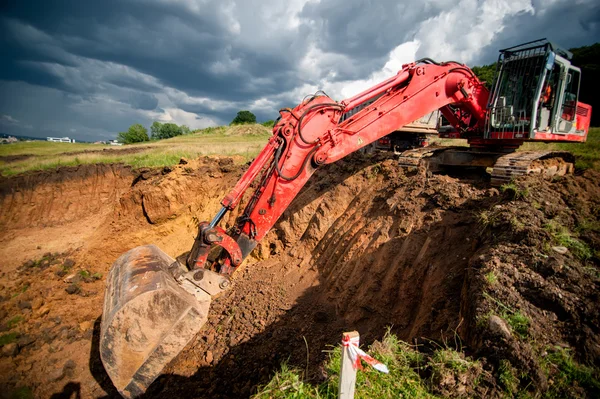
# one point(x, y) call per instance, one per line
point(366, 246)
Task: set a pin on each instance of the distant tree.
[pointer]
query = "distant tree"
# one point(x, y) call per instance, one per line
point(155, 130)
point(185, 129)
point(169, 130)
point(486, 74)
point(135, 134)
point(243, 117)
point(588, 59)
point(269, 123)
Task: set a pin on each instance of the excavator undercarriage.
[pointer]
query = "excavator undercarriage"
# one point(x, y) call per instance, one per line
point(154, 304)
point(505, 166)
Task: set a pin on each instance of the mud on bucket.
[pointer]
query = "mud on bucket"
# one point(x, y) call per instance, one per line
point(148, 319)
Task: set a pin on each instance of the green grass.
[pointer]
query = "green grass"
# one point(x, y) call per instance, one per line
point(244, 140)
point(13, 322)
point(402, 381)
point(518, 322)
point(514, 191)
point(449, 359)
point(587, 154)
point(491, 277)
point(9, 338)
point(507, 377)
point(22, 393)
point(414, 375)
point(565, 373)
point(563, 237)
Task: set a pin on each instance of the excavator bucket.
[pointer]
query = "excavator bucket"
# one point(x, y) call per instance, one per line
point(148, 317)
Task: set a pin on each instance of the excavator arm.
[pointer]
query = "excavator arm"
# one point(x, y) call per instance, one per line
point(154, 305)
point(321, 131)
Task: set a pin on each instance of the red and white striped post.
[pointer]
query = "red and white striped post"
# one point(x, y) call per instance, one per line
point(348, 367)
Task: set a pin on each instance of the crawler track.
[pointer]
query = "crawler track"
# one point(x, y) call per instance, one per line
point(548, 163)
point(505, 168)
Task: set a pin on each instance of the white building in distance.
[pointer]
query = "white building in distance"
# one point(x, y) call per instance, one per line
point(60, 139)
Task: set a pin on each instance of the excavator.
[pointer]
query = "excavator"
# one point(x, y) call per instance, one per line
point(154, 304)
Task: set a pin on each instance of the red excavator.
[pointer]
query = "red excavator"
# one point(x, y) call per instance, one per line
point(154, 304)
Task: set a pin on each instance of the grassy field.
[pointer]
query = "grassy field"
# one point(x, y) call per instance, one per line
point(245, 141)
point(587, 154)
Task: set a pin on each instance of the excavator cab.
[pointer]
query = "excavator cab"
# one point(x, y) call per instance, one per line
point(535, 93)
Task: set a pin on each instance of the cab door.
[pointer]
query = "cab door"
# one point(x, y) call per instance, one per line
point(567, 108)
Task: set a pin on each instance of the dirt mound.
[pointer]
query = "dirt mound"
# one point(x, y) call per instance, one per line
point(367, 245)
point(60, 196)
point(244, 130)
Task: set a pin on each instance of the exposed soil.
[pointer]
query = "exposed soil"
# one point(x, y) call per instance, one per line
point(111, 151)
point(15, 158)
point(366, 245)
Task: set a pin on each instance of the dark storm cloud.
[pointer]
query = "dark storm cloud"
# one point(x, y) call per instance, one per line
point(107, 64)
point(143, 101)
point(568, 24)
point(364, 29)
point(180, 47)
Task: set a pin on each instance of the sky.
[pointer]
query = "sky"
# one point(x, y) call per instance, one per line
point(88, 69)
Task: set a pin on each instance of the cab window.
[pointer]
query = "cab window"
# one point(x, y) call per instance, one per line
point(569, 104)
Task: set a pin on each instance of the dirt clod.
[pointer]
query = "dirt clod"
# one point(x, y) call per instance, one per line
point(25, 340)
point(10, 350)
point(73, 289)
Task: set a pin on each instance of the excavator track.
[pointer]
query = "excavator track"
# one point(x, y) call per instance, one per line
point(505, 167)
point(547, 163)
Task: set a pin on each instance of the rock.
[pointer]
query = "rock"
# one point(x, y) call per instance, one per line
point(84, 326)
point(560, 250)
point(57, 320)
point(209, 357)
point(498, 327)
point(56, 375)
point(69, 367)
point(24, 367)
point(24, 305)
point(25, 340)
point(37, 303)
point(88, 334)
point(183, 161)
point(29, 264)
point(10, 350)
point(60, 272)
point(68, 263)
point(71, 334)
point(48, 335)
point(44, 310)
point(210, 339)
point(72, 289)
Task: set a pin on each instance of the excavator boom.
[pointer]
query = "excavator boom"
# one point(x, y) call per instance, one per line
point(154, 305)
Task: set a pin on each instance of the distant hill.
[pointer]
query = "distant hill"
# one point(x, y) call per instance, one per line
point(22, 138)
